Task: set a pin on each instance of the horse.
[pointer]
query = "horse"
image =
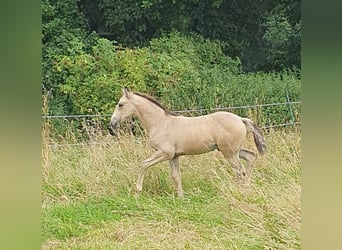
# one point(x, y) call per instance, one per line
point(172, 135)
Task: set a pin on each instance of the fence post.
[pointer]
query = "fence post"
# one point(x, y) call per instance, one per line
point(290, 108)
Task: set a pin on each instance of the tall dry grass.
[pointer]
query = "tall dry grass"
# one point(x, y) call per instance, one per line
point(216, 212)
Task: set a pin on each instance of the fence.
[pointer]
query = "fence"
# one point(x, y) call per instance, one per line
point(290, 116)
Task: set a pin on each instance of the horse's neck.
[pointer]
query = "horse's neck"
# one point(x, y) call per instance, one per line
point(149, 113)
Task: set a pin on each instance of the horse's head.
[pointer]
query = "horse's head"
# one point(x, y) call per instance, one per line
point(123, 110)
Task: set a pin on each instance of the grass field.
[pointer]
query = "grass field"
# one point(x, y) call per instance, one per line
point(88, 198)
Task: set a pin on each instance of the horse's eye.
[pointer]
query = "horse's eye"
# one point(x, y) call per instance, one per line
point(120, 105)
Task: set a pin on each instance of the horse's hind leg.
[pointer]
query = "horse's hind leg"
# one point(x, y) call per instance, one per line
point(250, 157)
point(237, 166)
point(175, 173)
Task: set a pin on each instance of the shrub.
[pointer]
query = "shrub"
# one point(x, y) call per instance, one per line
point(184, 72)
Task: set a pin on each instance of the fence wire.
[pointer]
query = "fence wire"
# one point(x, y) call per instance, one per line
point(179, 111)
point(189, 111)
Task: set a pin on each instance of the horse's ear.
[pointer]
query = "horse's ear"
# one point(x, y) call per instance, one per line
point(126, 92)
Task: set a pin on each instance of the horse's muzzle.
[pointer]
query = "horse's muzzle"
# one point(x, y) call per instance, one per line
point(113, 124)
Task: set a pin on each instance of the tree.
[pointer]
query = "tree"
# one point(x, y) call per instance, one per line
point(247, 27)
point(282, 39)
point(64, 32)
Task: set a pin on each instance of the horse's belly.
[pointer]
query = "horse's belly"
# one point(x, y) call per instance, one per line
point(194, 145)
point(195, 151)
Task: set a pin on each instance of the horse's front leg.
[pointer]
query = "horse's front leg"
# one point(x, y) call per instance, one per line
point(175, 173)
point(156, 157)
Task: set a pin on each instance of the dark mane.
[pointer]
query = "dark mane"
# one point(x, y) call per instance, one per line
point(154, 101)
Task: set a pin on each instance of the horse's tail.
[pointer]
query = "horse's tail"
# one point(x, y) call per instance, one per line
point(258, 138)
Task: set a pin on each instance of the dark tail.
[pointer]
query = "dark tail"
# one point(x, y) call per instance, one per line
point(257, 134)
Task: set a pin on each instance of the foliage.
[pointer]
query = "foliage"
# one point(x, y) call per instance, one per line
point(63, 34)
point(184, 72)
point(281, 40)
point(83, 73)
point(240, 24)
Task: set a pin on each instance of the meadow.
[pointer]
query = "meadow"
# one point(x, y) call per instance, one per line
point(88, 199)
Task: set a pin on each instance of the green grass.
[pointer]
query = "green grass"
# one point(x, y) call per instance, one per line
point(89, 203)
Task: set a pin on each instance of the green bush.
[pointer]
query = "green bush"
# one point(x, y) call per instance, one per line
point(63, 35)
point(183, 72)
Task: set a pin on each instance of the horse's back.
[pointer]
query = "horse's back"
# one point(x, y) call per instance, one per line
point(210, 123)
